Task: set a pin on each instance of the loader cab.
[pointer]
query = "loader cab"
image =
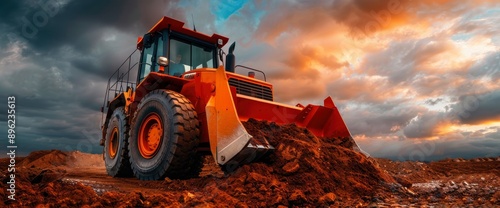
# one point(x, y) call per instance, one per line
point(184, 53)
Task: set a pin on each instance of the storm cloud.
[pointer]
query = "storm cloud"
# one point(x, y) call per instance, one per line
point(404, 74)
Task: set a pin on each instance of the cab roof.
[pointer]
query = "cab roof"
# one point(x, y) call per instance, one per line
point(178, 26)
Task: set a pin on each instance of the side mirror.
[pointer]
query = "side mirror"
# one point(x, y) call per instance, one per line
point(162, 61)
point(220, 55)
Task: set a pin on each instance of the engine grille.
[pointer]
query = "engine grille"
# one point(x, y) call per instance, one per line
point(251, 89)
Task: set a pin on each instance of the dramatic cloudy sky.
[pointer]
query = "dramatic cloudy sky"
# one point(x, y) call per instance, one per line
point(413, 79)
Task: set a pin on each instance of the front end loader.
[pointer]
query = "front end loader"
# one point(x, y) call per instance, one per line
point(184, 103)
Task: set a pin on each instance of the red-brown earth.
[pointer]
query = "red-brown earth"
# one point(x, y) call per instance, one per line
point(303, 171)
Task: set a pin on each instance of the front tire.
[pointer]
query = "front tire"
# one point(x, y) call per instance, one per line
point(164, 137)
point(115, 150)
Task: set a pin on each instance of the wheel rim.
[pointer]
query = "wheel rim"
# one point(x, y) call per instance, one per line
point(150, 135)
point(113, 143)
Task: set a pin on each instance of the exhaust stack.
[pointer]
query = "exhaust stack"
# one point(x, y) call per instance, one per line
point(230, 59)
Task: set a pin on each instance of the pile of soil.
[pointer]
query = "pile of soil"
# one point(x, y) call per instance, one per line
point(302, 171)
point(55, 158)
point(308, 170)
point(46, 159)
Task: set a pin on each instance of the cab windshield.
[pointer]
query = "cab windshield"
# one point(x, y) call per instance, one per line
point(185, 57)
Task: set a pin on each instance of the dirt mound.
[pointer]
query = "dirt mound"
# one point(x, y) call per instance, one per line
point(55, 158)
point(305, 169)
point(46, 159)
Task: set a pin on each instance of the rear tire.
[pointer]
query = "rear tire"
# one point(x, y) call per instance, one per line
point(165, 137)
point(115, 150)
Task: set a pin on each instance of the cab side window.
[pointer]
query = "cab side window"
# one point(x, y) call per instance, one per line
point(146, 62)
point(159, 48)
point(149, 52)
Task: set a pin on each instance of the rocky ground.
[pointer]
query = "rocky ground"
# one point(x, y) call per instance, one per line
point(303, 171)
point(452, 182)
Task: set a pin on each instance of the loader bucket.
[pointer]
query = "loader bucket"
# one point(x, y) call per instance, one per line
point(231, 144)
point(323, 121)
point(229, 141)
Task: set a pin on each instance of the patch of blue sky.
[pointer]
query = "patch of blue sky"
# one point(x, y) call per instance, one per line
point(222, 9)
point(226, 8)
point(462, 36)
point(488, 13)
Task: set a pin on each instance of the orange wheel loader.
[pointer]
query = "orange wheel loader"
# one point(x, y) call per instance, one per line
point(184, 103)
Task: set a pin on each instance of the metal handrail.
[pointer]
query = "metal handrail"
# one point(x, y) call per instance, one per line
point(121, 79)
point(249, 68)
